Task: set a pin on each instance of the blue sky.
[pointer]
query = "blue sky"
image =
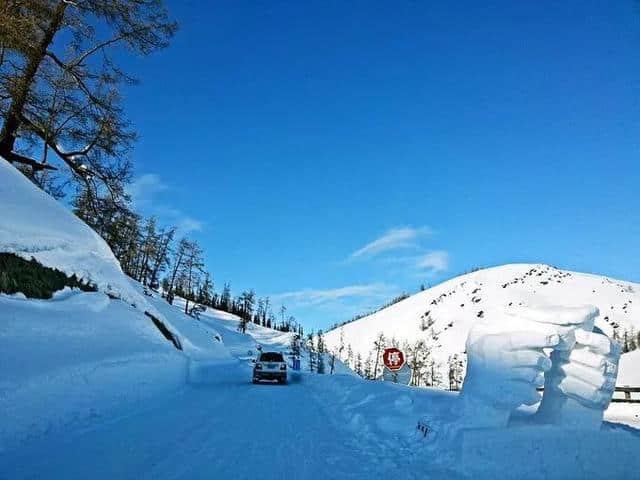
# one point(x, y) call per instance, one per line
point(334, 154)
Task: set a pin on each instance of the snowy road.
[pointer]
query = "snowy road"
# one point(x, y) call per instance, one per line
point(220, 425)
point(238, 431)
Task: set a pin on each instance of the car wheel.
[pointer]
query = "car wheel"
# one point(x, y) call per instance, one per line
point(254, 381)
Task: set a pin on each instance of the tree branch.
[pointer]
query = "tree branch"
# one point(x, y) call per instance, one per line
point(79, 59)
point(77, 78)
point(13, 157)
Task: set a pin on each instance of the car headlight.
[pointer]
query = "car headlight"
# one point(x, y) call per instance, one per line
point(258, 366)
point(283, 367)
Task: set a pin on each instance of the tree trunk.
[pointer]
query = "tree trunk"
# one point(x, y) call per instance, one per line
point(12, 120)
point(186, 297)
point(173, 279)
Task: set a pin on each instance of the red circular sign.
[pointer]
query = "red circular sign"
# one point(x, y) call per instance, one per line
point(393, 359)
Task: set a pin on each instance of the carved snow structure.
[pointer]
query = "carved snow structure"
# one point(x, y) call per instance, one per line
point(509, 358)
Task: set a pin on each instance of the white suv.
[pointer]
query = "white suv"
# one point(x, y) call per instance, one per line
point(270, 366)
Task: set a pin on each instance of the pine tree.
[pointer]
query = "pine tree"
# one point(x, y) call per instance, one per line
point(177, 266)
point(161, 260)
point(367, 372)
point(632, 340)
point(418, 360)
point(350, 356)
point(192, 268)
point(456, 370)
point(434, 378)
point(225, 298)
point(321, 351)
point(265, 311)
point(311, 349)
point(625, 342)
point(259, 312)
point(379, 345)
point(205, 296)
point(358, 365)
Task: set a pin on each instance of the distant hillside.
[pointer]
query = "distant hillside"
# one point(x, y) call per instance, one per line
point(442, 316)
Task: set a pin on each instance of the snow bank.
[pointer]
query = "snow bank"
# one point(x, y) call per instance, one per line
point(33, 224)
point(82, 355)
point(76, 356)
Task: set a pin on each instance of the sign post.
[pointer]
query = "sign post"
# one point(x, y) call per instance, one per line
point(393, 358)
point(396, 370)
point(402, 376)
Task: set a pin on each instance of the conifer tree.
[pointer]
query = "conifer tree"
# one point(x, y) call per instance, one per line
point(60, 86)
point(321, 351)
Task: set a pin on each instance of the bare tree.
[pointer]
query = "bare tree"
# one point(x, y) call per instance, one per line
point(379, 345)
point(192, 268)
point(178, 259)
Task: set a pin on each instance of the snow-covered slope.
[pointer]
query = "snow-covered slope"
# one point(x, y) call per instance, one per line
point(444, 314)
point(82, 355)
point(33, 224)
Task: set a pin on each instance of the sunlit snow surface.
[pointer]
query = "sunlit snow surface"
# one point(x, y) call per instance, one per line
point(456, 305)
point(89, 388)
point(32, 224)
point(203, 418)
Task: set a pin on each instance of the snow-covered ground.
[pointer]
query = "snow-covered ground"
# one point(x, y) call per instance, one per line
point(216, 424)
point(80, 354)
point(90, 388)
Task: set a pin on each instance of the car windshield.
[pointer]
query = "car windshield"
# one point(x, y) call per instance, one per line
point(271, 357)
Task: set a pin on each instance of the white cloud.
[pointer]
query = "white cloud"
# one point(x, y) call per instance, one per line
point(318, 297)
point(144, 192)
point(393, 239)
point(144, 188)
point(433, 262)
point(187, 225)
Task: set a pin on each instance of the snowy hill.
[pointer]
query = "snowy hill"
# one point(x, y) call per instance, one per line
point(81, 354)
point(444, 314)
point(33, 224)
